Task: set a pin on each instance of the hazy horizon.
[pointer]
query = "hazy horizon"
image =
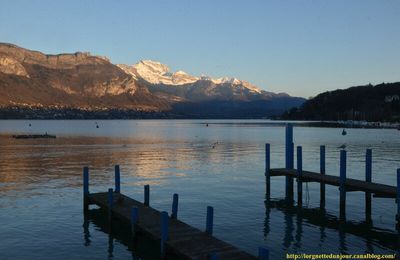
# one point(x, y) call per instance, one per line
point(301, 48)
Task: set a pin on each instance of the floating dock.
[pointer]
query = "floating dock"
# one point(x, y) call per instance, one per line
point(33, 136)
point(175, 236)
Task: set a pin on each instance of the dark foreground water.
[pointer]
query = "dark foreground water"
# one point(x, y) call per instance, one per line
point(221, 165)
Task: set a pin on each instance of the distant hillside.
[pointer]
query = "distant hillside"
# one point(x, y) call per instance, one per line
point(370, 103)
point(80, 85)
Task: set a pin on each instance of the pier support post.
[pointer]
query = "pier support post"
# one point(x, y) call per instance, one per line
point(85, 189)
point(322, 171)
point(175, 200)
point(267, 168)
point(134, 220)
point(213, 256)
point(289, 147)
point(210, 220)
point(164, 231)
point(117, 180)
point(398, 200)
point(110, 202)
point(342, 187)
point(299, 176)
point(263, 253)
point(147, 195)
point(368, 178)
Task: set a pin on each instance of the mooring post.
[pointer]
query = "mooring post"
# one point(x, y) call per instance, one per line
point(210, 220)
point(85, 189)
point(134, 219)
point(263, 253)
point(342, 187)
point(267, 168)
point(110, 202)
point(368, 178)
point(164, 231)
point(299, 176)
point(147, 195)
point(398, 200)
point(322, 171)
point(289, 147)
point(117, 180)
point(213, 256)
point(174, 213)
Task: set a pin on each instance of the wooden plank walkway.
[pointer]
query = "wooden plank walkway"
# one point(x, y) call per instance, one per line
point(379, 190)
point(183, 240)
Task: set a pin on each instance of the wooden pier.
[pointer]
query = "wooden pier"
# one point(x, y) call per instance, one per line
point(175, 236)
point(378, 190)
point(345, 184)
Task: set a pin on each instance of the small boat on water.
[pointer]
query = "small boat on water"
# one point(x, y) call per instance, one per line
point(33, 136)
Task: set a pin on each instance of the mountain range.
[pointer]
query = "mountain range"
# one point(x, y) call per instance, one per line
point(50, 84)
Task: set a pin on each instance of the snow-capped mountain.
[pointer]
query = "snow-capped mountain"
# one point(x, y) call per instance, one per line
point(155, 72)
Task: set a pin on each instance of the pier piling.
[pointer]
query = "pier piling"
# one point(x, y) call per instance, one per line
point(147, 195)
point(299, 178)
point(322, 172)
point(85, 189)
point(134, 219)
point(110, 202)
point(342, 186)
point(263, 253)
point(289, 162)
point(210, 220)
point(164, 231)
point(117, 180)
point(267, 168)
point(175, 200)
point(398, 200)
point(368, 178)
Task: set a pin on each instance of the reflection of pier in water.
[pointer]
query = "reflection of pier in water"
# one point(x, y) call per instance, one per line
point(121, 232)
point(319, 217)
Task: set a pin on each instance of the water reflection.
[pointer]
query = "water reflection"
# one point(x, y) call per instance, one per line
point(324, 220)
point(28, 164)
point(41, 183)
point(140, 246)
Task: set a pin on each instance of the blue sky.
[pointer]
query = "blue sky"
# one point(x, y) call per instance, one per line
point(299, 47)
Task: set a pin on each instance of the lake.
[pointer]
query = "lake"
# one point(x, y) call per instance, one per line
point(221, 165)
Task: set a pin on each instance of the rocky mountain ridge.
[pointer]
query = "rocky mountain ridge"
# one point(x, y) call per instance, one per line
point(80, 80)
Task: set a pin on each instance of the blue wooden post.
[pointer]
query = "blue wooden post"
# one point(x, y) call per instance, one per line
point(299, 176)
point(117, 180)
point(342, 187)
point(322, 171)
point(213, 256)
point(164, 231)
point(263, 253)
point(85, 189)
point(289, 152)
point(175, 199)
point(267, 168)
point(147, 195)
point(368, 178)
point(134, 219)
point(398, 199)
point(210, 220)
point(110, 202)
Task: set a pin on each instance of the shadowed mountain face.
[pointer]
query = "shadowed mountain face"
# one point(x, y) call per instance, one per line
point(90, 83)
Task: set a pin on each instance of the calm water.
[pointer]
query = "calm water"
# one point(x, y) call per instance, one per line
point(221, 165)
